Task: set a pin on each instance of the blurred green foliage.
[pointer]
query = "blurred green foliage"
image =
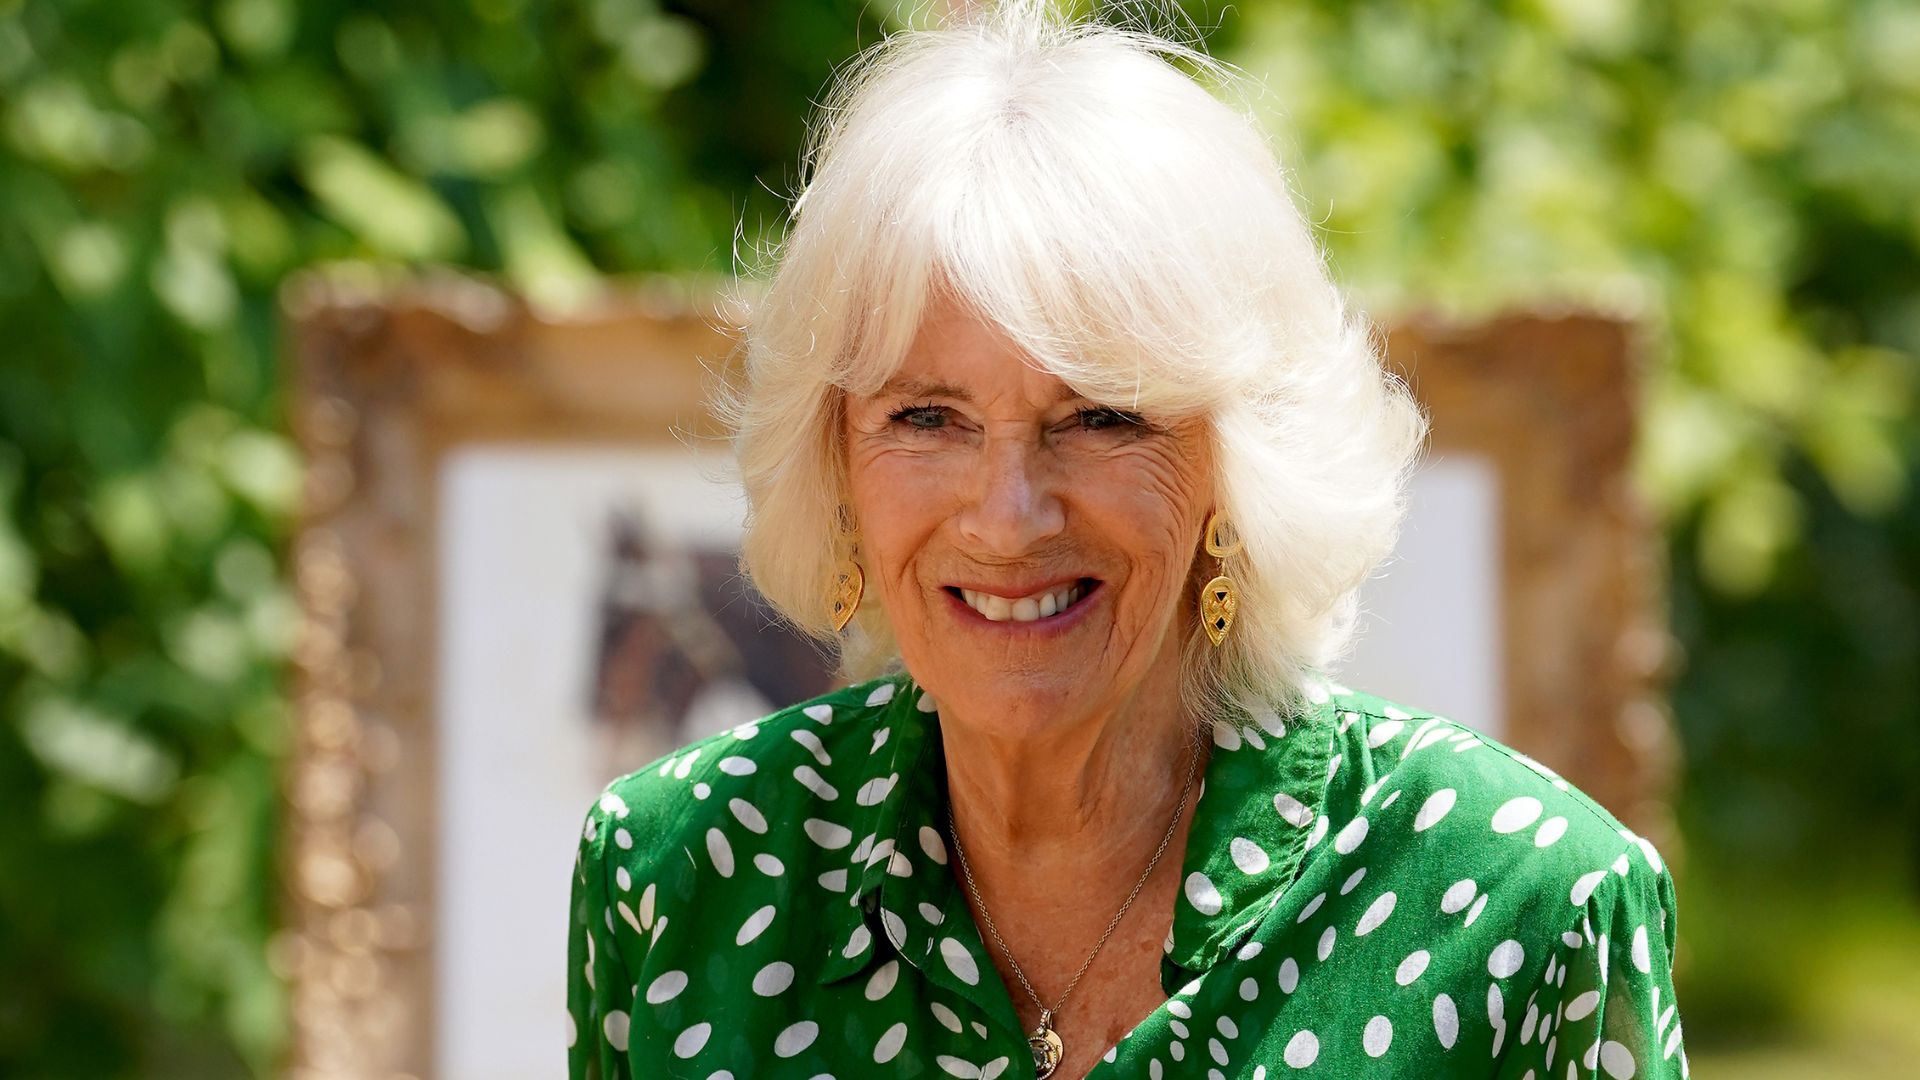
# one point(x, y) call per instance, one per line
point(1741, 176)
point(162, 166)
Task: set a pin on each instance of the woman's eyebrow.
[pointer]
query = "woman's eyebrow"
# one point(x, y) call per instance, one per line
point(908, 386)
point(911, 387)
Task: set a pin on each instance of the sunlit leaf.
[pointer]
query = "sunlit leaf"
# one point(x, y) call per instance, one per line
point(498, 136)
point(128, 514)
point(89, 260)
point(264, 469)
point(540, 259)
point(392, 213)
point(91, 747)
point(257, 29)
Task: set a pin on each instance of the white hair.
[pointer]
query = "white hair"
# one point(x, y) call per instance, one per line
point(1139, 238)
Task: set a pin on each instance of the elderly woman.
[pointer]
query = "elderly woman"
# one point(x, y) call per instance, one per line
point(1053, 421)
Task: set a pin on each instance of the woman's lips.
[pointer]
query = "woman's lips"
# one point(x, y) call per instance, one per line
point(1046, 605)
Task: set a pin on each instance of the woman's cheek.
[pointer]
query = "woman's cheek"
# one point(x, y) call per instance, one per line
point(1151, 493)
point(904, 495)
point(903, 472)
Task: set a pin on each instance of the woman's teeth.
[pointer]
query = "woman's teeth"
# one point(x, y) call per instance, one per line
point(1040, 605)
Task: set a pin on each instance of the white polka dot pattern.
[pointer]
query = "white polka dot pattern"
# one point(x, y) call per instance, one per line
point(1359, 878)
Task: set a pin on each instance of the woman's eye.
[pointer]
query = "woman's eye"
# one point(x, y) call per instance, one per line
point(1109, 419)
point(921, 417)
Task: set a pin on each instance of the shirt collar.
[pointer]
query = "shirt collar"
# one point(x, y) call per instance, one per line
point(1259, 812)
point(1261, 796)
point(897, 813)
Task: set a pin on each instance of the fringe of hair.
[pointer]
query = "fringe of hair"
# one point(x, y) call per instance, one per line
point(1139, 237)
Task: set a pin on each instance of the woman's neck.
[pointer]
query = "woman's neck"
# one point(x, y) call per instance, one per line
point(1086, 802)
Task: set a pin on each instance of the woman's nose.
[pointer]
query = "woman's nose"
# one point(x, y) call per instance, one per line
point(1015, 508)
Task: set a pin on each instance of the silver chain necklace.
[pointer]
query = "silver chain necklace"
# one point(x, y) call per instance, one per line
point(1044, 1041)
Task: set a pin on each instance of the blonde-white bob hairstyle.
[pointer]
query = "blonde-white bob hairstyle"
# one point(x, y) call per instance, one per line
point(1137, 238)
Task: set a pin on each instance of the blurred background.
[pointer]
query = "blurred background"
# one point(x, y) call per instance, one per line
point(1743, 176)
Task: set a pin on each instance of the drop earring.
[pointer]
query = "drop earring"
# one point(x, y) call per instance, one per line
point(849, 581)
point(1220, 599)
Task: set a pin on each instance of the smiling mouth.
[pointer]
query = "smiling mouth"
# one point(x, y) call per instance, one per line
point(1046, 604)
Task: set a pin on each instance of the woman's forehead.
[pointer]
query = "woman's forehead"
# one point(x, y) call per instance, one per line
point(959, 355)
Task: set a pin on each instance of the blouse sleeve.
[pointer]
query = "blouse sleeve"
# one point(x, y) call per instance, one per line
point(1606, 1009)
point(599, 990)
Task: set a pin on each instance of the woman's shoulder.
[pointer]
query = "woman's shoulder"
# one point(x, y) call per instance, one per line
point(695, 834)
point(811, 744)
point(1390, 756)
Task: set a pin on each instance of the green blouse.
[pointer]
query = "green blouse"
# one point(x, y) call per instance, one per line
point(1368, 890)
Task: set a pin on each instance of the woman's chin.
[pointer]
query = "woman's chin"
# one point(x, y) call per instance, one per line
point(1018, 703)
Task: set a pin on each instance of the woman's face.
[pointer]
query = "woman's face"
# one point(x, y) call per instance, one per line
point(1033, 548)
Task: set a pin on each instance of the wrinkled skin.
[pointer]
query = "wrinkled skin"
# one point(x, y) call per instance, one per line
point(973, 469)
point(1065, 738)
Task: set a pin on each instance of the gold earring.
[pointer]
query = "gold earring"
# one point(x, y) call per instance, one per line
point(849, 581)
point(1220, 599)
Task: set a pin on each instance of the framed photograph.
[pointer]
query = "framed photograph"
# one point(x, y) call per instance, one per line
point(518, 565)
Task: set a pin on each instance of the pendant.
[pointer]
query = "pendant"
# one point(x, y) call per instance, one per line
point(1046, 1046)
point(1219, 602)
point(848, 583)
